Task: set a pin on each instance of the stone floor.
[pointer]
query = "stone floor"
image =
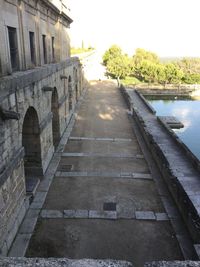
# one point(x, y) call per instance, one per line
point(103, 201)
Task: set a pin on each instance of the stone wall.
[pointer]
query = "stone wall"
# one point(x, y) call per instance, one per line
point(41, 18)
point(40, 100)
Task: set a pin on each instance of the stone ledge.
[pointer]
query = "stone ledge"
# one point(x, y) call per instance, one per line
point(173, 264)
point(49, 262)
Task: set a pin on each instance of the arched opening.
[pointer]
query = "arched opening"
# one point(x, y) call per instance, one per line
point(70, 93)
point(55, 119)
point(32, 147)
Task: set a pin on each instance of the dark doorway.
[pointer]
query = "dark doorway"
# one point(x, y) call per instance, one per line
point(32, 146)
point(32, 47)
point(14, 57)
point(55, 119)
point(53, 48)
point(44, 48)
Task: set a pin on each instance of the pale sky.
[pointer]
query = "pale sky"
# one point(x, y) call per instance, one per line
point(166, 27)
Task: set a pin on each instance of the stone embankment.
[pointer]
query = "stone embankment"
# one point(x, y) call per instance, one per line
point(176, 162)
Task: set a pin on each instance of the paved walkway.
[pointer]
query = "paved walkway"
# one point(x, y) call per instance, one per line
point(103, 201)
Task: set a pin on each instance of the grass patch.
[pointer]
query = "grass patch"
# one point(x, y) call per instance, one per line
point(75, 51)
point(131, 81)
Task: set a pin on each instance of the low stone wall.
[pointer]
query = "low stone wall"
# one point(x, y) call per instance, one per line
point(173, 264)
point(180, 171)
point(52, 262)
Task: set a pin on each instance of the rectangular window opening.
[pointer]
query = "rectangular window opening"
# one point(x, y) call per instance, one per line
point(53, 48)
point(12, 35)
point(32, 47)
point(44, 48)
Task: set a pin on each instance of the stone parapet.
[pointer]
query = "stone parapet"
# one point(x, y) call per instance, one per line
point(173, 264)
point(52, 262)
point(179, 169)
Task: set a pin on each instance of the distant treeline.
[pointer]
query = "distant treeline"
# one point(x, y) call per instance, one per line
point(145, 66)
point(75, 50)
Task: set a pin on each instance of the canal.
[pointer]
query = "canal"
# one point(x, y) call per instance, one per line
point(187, 111)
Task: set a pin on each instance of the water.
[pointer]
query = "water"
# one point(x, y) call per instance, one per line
point(188, 112)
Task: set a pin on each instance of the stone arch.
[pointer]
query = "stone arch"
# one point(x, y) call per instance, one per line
point(32, 148)
point(70, 98)
point(55, 118)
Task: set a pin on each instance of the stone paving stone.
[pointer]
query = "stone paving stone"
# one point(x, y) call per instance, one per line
point(20, 245)
point(83, 214)
point(104, 139)
point(125, 213)
point(122, 140)
point(145, 215)
point(96, 214)
point(28, 225)
point(126, 174)
point(44, 185)
point(69, 213)
point(161, 216)
point(141, 175)
point(32, 213)
point(36, 205)
point(40, 197)
point(139, 156)
point(51, 214)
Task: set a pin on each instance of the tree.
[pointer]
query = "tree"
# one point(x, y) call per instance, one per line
point(120, 67)
point(142, 54)
point(113, 52)
point(173, 73)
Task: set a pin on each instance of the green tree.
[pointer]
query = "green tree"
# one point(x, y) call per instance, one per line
point(173, 73)
point(113, 52)
point(119, 67)
point(141, 54)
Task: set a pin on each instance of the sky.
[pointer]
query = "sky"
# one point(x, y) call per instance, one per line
point(166, 27)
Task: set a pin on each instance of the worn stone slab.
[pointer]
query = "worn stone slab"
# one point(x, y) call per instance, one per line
point(61, 262)
point(28, 225)
point(96, 214)
point(124, 213)
point(32, 213)
point(145, 215)
point(51, 214)
point(104, 139)
point(83, 214)
point(126, 174)
point(40, 197)
point(36, 205)
point(122, 139)
point(19, 247)
point(69, 214)
point(142, 175)
point(161, 216)
point(103, 155)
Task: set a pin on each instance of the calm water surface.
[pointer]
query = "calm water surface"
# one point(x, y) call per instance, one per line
point(188, 112)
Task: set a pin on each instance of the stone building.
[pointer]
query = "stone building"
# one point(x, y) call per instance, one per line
point(40, 85)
